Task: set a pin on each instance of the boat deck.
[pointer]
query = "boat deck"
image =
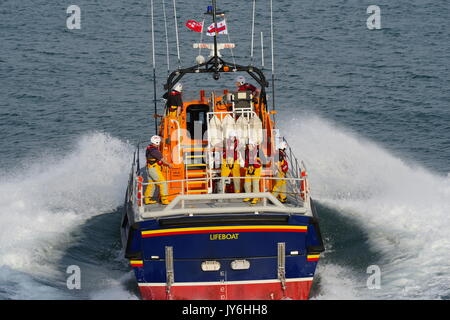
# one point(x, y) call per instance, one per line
point(222, 203)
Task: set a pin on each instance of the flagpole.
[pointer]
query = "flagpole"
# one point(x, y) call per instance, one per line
point(201, 37)
point(200, 44)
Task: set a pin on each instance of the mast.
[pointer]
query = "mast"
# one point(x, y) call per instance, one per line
point(216, 58)
point(216, 64)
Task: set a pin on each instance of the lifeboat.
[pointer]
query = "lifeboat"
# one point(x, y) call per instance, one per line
point(209, 243)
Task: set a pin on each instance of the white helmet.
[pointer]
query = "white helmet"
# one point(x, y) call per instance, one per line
point(282, 145)
point(178, 87)
point(231, 134)
point(240, 79)
point(155, 140)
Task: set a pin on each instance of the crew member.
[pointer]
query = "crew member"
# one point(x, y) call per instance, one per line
point(230, 162)
point(174, 101)
point(279, 189)
point(252, 170)
point(154, 162)
point(244, 86)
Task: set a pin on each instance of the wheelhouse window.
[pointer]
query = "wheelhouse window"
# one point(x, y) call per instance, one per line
point(196, 120)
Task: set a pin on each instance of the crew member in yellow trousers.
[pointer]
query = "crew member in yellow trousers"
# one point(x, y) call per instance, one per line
point(279, 189)
point(154, 162)
point(174, 101)
point(230, 162)
point(252, 170)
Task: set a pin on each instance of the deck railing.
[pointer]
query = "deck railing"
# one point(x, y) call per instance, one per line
point(298, 199)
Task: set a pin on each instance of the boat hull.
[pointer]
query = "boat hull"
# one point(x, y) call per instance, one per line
point(296, 289)
point(224, 240)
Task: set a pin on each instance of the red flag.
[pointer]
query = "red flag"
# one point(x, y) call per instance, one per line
point(194, 25)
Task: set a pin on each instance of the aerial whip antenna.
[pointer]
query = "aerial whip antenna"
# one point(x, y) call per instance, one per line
point(262, 50)
point(154, 65)
point(273, 64)
point(253, 31)
point(176, 32)
point(167, 36)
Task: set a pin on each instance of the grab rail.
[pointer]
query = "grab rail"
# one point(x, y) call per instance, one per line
point(294, 193)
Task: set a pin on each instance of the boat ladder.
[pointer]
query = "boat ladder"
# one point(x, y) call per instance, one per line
point(195, 168)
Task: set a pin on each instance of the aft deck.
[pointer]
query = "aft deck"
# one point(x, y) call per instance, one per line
point(222, 203)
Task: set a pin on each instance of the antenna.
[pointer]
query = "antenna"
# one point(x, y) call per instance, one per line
point(154, 65)
point(273, 64)
point(262, 50)
point(253, 32)
point(176, 31)
point(167, 37)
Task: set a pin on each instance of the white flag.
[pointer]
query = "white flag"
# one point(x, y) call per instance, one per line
point(221, 29)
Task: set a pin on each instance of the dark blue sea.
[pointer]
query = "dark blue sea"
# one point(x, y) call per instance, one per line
point(367, 110)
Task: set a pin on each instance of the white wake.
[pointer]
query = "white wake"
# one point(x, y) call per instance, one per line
point(41, 204)
point(404, 208)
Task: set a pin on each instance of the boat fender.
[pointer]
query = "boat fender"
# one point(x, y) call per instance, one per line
point(139, 188)
point(303, 174)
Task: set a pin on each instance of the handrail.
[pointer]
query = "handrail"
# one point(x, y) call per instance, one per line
point(224, 178)
point(295, 192)
point(256, 209)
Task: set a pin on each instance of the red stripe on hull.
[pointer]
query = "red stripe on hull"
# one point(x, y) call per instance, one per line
point(296, 290)
point(135, 265)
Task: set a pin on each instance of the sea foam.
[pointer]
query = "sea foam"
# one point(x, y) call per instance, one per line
point(403, 207)
point(43, 202)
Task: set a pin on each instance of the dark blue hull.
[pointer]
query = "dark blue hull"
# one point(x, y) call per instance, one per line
point(240, 252)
